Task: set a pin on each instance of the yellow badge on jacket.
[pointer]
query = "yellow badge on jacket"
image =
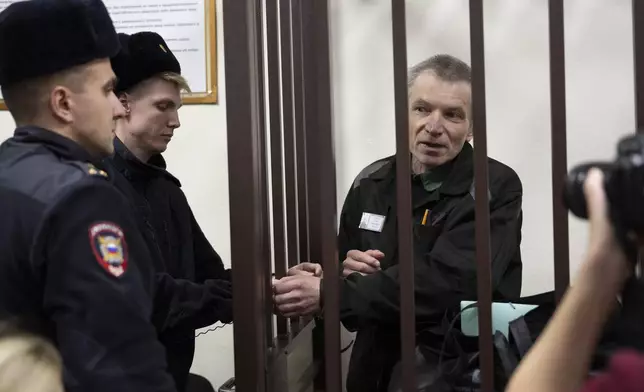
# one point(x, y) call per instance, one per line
point(94, 171)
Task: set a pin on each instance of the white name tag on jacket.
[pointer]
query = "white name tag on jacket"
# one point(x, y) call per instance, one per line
point(372, 222)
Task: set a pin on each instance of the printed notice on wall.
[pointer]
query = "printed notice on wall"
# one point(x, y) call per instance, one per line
point(181, 23)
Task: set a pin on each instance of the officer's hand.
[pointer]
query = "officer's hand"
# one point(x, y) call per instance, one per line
point(363, 263)
point(297, 295)
point(307, 269)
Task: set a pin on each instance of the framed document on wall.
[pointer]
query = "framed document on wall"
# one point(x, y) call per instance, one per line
point(188, 26)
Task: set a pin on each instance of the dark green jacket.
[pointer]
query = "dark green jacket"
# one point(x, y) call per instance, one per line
point(444, 257)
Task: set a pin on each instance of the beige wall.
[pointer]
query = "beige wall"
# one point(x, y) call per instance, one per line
point(600, 110)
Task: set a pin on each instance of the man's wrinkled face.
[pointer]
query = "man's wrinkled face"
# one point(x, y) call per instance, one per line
point(439, 120)
point(153, 115)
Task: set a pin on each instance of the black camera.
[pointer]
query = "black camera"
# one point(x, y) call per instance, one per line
point(623, 183)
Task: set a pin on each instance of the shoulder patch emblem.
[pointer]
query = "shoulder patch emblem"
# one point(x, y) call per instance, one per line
point(109, 247)
point(94, 171)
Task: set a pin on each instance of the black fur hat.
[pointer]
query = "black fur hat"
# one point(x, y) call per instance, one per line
point(142, 56)
point(42, 37)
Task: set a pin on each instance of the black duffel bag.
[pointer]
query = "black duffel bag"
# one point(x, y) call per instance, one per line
point(448, 361)
point(525, 330)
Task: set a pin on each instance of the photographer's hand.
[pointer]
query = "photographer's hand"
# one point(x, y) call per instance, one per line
point(560, 359)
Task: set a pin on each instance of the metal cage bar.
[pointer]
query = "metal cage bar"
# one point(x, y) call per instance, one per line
point(558, 147)
point(263, 184)
point(403, 199)
point(638, 60)
point(482, 206)
point(289, 96)
point(275, 126)
point(248, 221)
point(638, 57)
point(311, 126)
point(300, 131)
point(288, 124)
point(321, 181)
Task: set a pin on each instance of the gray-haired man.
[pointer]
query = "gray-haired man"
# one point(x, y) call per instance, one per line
point(440, 127)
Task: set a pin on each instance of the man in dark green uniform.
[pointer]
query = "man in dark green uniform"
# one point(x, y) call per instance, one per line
point(443, 226)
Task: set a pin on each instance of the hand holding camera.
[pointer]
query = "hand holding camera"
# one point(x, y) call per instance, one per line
point(611, 197)
point(622, 198)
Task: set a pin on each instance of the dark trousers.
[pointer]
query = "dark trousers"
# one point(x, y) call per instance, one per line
point(198, 383)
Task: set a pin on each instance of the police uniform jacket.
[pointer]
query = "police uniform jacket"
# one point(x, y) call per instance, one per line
point(74, 267)
point(193, 287)
point(444, 257)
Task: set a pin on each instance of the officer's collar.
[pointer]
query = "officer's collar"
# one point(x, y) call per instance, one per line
point(60, 145)
point(131, 166)
point(457, 182)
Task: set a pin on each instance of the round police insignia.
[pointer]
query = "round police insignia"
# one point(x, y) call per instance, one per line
point(110, 249)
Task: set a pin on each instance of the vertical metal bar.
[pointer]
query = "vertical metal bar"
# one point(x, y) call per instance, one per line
point(482, 209)
point(289, 132)
point(638, 56)
point(263, 185)
point(322, 208)
point(311, 127)
point(308, 142)
point(273, 64)
point(295, 136)
point(311, 131)
point(403, 197)
point(248, 221)
point(638, 59)
point(558, 145)
point(300, 132)
point(328, 211)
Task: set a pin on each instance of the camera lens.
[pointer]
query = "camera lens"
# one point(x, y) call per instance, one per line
point(574, 198)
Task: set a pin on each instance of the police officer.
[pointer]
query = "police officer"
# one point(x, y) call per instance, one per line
point(74, 268)
point(194, 288)
point(443, 227)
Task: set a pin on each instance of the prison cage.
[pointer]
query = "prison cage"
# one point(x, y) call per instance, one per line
point(279, 121)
